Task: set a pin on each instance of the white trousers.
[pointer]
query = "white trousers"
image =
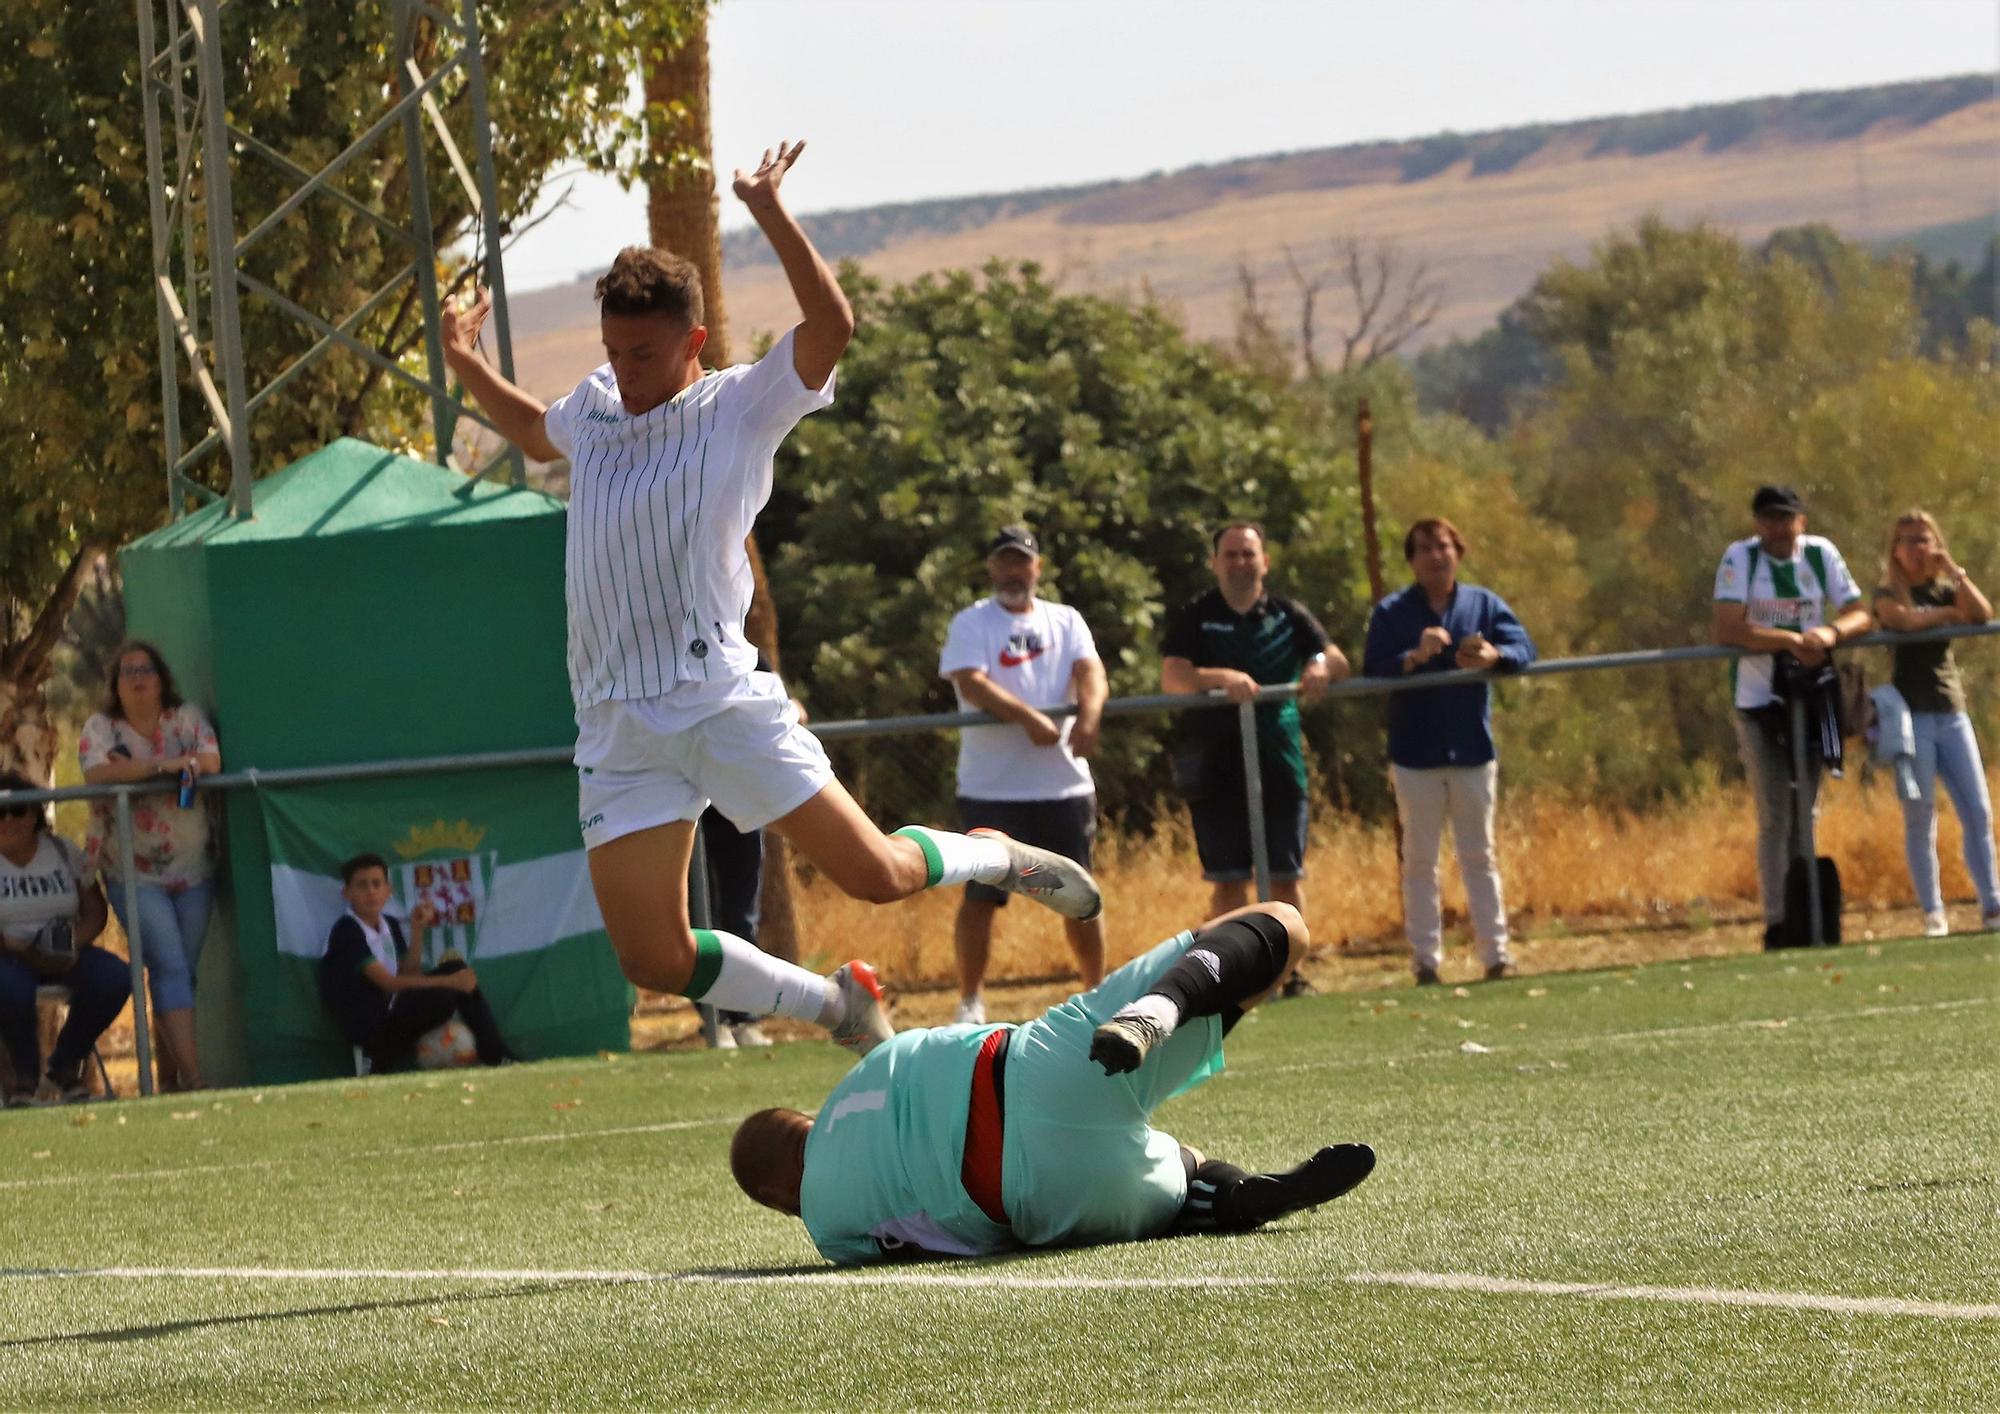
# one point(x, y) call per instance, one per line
point(1425, 800)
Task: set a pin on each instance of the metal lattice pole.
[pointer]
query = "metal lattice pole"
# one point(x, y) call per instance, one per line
point(206, 146)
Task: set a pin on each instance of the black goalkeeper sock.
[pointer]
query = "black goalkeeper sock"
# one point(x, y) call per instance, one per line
point(1226, 965)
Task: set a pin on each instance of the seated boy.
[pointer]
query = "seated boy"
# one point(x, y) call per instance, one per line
point(375, 984)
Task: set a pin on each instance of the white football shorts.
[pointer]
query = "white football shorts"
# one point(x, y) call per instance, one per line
point(651, 761)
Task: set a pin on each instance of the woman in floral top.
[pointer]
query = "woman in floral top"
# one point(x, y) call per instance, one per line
point(145, 732)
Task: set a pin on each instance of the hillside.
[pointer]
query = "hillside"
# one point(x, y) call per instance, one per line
point(1487, 211)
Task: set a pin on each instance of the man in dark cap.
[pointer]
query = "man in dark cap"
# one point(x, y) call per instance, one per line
point(1014, 655)
point(1780, 592)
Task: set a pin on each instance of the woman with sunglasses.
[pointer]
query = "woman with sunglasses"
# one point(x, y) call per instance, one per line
point(51, 911)
point(146, 733)
point(1923, 587)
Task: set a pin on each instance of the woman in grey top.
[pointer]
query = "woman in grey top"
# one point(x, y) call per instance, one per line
point(51, 910)
point(1923, 587)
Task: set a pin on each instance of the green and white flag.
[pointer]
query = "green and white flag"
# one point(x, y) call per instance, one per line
point(497, 856)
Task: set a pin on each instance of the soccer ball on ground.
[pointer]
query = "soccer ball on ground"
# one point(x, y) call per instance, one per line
point(447, 1047)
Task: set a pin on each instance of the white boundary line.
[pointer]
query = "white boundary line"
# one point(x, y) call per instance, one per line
point(1693, 1295)
point(989, 1280)
point(830, 1277)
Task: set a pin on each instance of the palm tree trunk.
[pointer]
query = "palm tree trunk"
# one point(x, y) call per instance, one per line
point(683, 215)
point(682, 210)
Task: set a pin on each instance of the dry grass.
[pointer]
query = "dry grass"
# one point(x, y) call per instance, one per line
point(1574, 873)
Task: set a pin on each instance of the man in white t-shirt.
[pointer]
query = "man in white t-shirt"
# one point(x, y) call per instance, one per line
point(669, 465)
point(1015, 655)
point(1781, 591)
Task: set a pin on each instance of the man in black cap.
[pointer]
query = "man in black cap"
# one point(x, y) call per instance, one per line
point(1014, 655)
point(1780, 592)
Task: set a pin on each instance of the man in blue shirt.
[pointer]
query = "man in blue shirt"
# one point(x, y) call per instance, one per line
point(1441, 739)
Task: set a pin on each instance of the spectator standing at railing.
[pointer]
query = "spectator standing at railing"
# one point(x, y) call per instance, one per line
point(1013, 655)
point(51, 911)
point(1780, 593)
point(1923, 587)
point(1441, 751)
point(1236, 639)
point(146, 733)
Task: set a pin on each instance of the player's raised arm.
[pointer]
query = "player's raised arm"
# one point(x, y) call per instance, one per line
point(516, 413)
point(828, 321)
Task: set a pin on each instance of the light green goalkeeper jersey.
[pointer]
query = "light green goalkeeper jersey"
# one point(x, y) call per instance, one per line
point(883, 1159)
point(1081, 1161)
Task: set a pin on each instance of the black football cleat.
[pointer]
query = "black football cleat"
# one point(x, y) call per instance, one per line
point(1260, 1198)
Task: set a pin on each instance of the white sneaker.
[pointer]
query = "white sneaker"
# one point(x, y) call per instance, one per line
point(1989, 922)
point(1936, 925)
point(749, 1034)
point(723, 1038)
point(971, 1012)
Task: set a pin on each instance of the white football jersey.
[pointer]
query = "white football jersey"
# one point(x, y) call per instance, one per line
point(1033, 655)
point(1780, 594)
point(657, 578)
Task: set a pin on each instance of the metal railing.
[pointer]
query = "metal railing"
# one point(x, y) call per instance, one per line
point(251, 778)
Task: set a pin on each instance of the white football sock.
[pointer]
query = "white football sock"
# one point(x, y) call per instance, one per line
point(731, 974)
point(1162, 1011)
point(958, 859)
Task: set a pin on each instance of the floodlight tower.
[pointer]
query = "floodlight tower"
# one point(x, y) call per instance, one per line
point(185, 78)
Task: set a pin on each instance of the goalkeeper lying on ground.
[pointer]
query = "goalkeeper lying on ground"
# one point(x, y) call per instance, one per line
point(966, 1140)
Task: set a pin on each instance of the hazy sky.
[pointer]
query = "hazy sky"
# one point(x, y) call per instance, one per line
point(906, 99)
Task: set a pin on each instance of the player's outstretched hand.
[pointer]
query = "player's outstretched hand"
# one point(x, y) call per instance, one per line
point(458, 327)
point(759, 190)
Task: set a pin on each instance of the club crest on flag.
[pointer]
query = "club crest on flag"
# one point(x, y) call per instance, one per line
point(454, 886)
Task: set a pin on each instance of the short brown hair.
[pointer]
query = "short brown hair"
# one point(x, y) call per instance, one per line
point(351, 867)
point(1438, 528)
point(647, 280)
point(170, 696)
point(1215, 541)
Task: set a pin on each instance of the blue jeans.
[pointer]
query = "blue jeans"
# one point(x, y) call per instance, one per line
point(1947, 751)
point(98, 983)
point(171, 928)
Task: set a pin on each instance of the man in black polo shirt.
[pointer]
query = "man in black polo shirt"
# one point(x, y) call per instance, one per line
point(1236, 638)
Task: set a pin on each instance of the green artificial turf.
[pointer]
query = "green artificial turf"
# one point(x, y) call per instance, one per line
point(1809, 1123)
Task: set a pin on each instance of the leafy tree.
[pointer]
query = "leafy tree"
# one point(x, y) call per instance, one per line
point(968, 402)
point(1953, 300)
point(82, 452)
point(1488, 379)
